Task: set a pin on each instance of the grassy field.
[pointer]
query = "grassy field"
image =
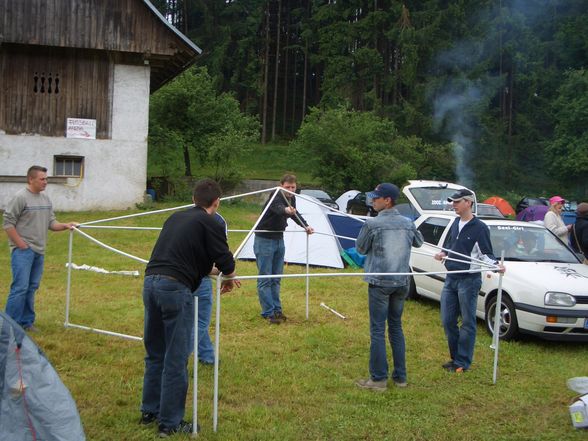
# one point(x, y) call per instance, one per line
point(293, 381)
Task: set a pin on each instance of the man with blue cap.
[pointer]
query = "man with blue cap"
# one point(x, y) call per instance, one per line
point(386, 240)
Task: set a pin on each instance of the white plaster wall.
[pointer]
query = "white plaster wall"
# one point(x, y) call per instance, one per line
point(115, 170)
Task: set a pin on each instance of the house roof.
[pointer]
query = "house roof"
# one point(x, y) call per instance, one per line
point(133, 31)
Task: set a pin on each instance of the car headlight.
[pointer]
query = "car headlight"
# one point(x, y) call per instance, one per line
point(559, 299)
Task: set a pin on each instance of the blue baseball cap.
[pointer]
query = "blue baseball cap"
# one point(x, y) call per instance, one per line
point(385, 190)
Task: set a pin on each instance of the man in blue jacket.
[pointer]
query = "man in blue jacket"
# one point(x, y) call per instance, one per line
point(386, 240)
point(467, 236)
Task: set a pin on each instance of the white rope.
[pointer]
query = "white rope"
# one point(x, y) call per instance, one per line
point(97, 269)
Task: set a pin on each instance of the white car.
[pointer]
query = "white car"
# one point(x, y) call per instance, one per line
point(545, 287)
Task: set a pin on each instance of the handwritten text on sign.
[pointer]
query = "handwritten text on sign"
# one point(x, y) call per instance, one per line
point(81, 128)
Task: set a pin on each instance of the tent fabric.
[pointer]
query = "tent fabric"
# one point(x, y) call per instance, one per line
point(34, 403)
point(323, 248)
point(345, 226)
point(533, 213)
point(502, 204)
point(344, 198)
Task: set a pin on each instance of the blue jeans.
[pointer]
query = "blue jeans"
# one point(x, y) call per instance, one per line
point(269, 255)
point(205, 348)
point(27, 269)
point(459, 298)
point(386, 303)
point(169, 321)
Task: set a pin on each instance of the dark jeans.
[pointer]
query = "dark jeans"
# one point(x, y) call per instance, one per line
point(169, 321)
point(269, 255)
point(459, 297)
point(387, 304)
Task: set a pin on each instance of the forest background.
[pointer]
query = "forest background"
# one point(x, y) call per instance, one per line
point(492, 94)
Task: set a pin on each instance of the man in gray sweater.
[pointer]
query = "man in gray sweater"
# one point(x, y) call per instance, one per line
point(27, 218)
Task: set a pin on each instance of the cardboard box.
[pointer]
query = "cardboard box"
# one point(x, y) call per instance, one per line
point(579, 412)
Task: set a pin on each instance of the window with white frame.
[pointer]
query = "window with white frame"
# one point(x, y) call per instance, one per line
point(69, 166)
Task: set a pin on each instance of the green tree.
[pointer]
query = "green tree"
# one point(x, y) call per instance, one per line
point(568, 152)
point(188, 118)
point(352, 149)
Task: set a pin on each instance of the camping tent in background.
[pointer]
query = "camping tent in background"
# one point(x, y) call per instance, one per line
point(534, 213)
point(323, 248)
point(34, 403)
point(345, 226)
point(502, 204)
point(342, 200)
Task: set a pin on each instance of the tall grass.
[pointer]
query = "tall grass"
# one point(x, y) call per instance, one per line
point(293, 381)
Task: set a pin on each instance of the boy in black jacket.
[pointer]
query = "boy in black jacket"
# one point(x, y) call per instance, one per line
point(471, 237)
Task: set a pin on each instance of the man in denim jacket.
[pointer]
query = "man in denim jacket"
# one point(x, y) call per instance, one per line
point(386, 240)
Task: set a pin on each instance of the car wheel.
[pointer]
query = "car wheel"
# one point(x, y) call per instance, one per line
point(509, 327)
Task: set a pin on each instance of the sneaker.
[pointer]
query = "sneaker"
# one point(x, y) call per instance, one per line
point(206, 362)
point(376, 386)
point(31, 328)
point(447, 366)
point(280, 316)
point(183, 427)
point(399, 383)
point(147, 418)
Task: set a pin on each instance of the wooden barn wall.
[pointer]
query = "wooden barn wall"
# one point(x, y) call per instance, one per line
point(113, 25)
point(41, 87)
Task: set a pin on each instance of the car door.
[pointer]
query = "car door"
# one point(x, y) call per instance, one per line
point(434, 230)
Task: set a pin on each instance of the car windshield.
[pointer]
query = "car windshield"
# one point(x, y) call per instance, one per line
point(433, 198)
point(319, 194)
point(529, 244)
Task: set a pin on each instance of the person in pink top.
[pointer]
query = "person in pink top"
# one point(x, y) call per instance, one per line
point(553, 220)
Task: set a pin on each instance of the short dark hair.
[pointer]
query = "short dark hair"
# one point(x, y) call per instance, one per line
point(206, 192)
point(33, 170)
point(289, 178)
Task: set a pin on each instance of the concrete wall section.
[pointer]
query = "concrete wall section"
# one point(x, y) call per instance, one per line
point(115, 170)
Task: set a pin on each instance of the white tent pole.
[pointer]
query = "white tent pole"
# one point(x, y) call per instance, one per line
point(216, 354)
point(195, 402)
point(68, 287)
point(307, 272)
point(269, 202)
point(496, 336)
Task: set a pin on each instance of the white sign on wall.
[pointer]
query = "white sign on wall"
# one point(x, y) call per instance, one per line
point(80, 128)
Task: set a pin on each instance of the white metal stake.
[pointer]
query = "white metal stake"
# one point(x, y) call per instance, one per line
point(307, 272)
point(496, 336)
point(68, 287)
point(216, 354)
point(195, 403)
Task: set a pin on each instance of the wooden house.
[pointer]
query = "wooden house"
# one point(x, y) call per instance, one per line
point(75, 80)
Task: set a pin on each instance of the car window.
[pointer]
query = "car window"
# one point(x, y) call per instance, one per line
point(432, 229)
point(529, 245)
point(433, 198)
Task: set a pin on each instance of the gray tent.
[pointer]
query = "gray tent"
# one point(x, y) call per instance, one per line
point(34, 403)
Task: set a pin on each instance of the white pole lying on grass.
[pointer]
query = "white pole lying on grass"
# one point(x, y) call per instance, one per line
point(195, 398)
point(333, 311)
point(497, 314)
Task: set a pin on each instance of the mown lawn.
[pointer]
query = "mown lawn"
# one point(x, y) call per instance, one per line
point(293, 381)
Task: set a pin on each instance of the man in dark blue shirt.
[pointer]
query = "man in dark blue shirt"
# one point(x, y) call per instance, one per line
point(467, 236)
